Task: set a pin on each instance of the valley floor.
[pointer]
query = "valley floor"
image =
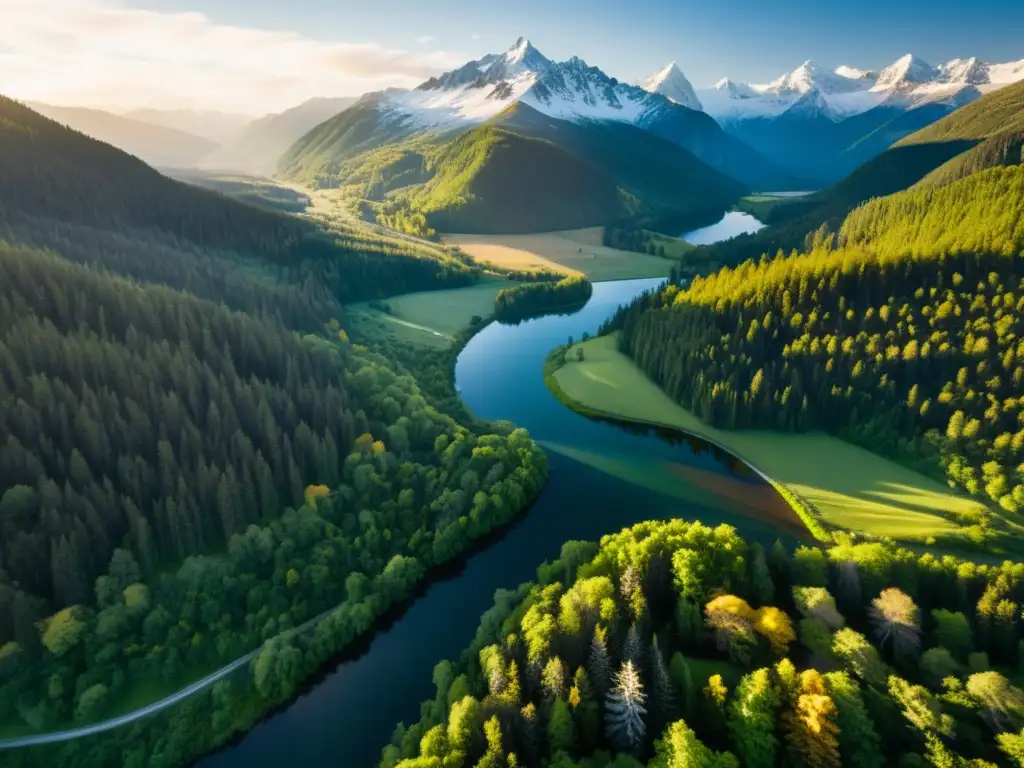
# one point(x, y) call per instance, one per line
point(851, 488)
point(574, 251)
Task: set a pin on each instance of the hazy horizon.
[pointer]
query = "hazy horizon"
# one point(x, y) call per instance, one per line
point(254, 58)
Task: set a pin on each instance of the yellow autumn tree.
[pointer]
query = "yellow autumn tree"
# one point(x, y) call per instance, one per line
point(314, 492)
point(810, 725)
point(774, 625)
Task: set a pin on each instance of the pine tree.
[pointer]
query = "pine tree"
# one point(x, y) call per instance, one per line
point(598, 663)
point(632, 649)
point(663, 696)
point(761, 586)
point(561, 737)
point(752, 720)
point(625, 710)
point(553, 678)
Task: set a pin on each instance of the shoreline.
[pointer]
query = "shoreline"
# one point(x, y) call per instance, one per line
point(818, 528)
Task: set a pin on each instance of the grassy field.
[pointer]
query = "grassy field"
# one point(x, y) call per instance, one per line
point(575, 251)
point(432, 317)
point(850, 487)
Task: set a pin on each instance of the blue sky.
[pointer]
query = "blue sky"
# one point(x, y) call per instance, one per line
point(256, 56)
point(751, 40)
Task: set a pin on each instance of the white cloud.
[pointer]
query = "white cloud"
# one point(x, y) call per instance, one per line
point(95, 53)
point(425, 39)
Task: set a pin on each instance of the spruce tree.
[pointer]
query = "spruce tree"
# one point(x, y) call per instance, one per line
point(624, 709)
point(598, 663)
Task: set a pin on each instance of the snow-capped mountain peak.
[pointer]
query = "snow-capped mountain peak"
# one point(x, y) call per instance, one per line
point(523, 52)
point(853, 73)
point(735, 90)
point(964, 71)
point(907, 82)
point(809, 76)
point(906, 71)
point(811, 104)
point(671, 83)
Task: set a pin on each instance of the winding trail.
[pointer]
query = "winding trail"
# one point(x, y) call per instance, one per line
point(37, 739)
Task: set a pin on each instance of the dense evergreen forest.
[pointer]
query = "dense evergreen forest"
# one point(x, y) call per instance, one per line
point(676, 645)
point(902, 334)
point(95, 204)
point(195, 458)
point(512, 305)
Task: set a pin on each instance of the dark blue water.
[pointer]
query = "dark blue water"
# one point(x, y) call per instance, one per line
point(626, 476)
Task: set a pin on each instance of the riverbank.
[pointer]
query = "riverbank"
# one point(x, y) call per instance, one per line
point(832, 483)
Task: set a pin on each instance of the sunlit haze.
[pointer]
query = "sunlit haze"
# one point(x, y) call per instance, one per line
point(256, 57)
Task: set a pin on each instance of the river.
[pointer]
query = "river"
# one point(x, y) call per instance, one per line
point(602, 477)
point(730, 225)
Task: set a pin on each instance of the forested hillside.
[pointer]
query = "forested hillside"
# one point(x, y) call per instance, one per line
point(903, 334)
point(986, 133)
point(59, 189)
point(674, 645)
point(194, 459)
point(522, 171)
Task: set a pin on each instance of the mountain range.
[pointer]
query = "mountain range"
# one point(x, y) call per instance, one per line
point(436, 149)
point(821, 123)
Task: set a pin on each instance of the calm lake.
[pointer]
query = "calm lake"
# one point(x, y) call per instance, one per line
point(731, 224)
point(603, 477)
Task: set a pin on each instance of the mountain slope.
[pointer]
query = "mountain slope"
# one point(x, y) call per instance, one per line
point(857, 113)
point(61, 189)
point(943, 265)
point(570, 91)
point(671, 83)
point(217, 127)
point(988, 132)
point(258, 147)
point(156, 145)
point(616, 171)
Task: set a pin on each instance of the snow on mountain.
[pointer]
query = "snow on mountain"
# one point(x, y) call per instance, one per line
point(853, 73)
point(735, 90)
point(1004, 74)
point(671, 83)
point(570, 89)
point(810, 105)
point(966, 71)
point(809, 76)
point(906, 71)
point(907, 82)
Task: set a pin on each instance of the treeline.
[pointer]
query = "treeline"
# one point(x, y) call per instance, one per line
point(518, 303)
point(151, 430)
point(903, 335)
point(677, 645)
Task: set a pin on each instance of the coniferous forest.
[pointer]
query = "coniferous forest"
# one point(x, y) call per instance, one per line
point(195, 458)
point(677, 645)
point(902, 333)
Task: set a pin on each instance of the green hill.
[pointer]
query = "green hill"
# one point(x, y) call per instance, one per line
point(904, 339)
point(521, 171)
point(63, 190)
point(495, 180)
point(985, 133)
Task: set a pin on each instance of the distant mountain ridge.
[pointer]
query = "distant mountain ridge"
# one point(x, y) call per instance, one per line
point(156, 145)
point(820, 123)
point(258, 146)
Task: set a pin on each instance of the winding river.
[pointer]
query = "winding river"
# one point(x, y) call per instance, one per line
point(603, 477)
